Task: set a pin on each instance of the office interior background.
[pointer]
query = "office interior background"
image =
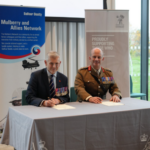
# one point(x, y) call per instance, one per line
point(65, 33)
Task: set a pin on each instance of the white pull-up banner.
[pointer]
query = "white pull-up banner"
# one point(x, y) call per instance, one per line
point(108, 30)
point(22, 45)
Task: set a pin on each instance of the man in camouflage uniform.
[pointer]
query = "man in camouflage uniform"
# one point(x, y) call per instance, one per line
point(93, 82)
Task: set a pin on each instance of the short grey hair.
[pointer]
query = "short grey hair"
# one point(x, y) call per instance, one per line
point(99, 49)
point(53, 54)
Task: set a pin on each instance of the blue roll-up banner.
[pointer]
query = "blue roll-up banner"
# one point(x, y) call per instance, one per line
point(22, 50)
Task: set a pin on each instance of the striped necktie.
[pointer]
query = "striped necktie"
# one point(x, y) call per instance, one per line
point(51, 87)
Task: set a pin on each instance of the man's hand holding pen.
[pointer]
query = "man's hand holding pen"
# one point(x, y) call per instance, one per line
point(51, 102)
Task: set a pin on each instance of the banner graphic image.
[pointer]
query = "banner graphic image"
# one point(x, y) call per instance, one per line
point(22, 50)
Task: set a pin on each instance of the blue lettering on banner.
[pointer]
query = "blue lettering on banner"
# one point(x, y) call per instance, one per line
point(22, 32)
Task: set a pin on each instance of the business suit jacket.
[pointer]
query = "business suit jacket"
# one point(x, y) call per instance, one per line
point(38, 87)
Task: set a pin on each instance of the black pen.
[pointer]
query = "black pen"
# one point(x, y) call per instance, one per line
point(51, 100)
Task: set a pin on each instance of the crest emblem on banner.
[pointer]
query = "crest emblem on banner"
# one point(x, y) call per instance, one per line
point(120, 21)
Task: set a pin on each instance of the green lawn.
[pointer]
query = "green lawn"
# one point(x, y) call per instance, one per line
point(135, 72)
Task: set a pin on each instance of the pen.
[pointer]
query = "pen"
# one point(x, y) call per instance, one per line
point(50, 100)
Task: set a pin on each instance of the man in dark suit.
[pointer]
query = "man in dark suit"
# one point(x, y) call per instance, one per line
point(48, 87)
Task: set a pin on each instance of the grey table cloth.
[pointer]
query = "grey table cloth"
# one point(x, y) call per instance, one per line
point(86, 127)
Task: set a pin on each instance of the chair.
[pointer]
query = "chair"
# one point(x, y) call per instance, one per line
point(133, 95)
point(24, 98)
point(73, 96)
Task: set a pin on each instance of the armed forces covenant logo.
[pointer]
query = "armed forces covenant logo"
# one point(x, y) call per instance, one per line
point(145, 138)
point(120, 21)
point(41, 145)
point(147, 146)
point(36, 50)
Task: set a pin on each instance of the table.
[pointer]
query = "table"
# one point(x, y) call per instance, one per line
point(86, 127)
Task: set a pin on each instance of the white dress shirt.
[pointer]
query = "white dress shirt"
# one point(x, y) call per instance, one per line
point(97, 71)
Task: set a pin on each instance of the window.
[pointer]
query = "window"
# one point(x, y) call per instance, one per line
point(134, 7)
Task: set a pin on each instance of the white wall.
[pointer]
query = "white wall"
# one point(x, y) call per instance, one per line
point(60, 8)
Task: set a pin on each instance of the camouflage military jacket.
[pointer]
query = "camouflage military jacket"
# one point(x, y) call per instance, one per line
point(89, 83)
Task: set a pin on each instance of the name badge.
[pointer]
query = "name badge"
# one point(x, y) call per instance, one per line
point(61, 91)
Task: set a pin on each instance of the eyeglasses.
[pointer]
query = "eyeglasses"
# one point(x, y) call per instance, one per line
point(56, 64)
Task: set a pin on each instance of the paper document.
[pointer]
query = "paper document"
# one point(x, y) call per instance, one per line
point(110, 103)
point(63, 106)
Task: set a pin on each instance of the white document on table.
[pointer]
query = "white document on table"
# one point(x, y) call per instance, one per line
point(63, 107)
point(110, 103)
